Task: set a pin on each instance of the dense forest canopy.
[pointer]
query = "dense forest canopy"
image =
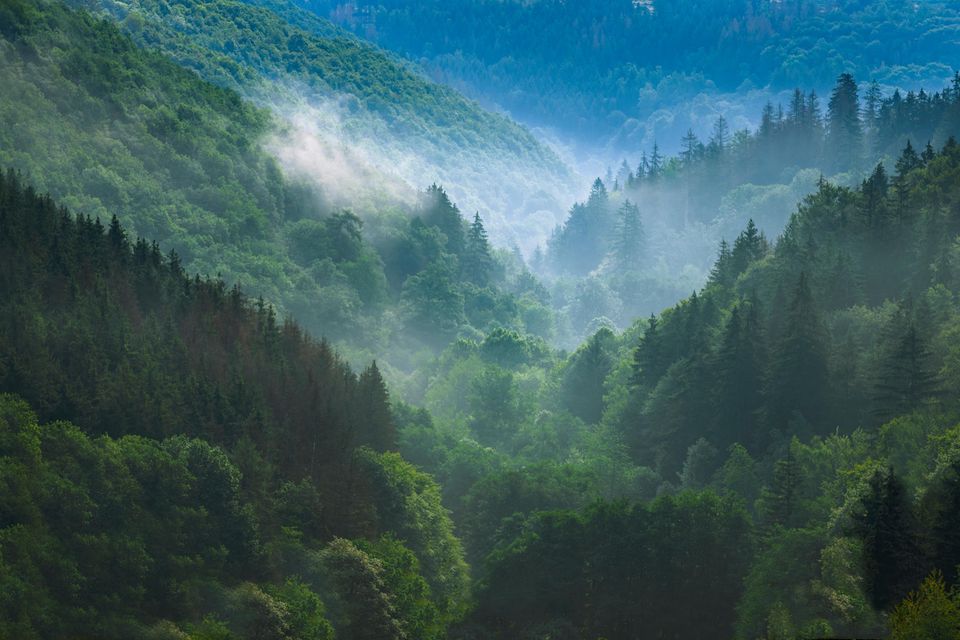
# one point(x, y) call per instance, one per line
point(626, 71)
point(718, 400)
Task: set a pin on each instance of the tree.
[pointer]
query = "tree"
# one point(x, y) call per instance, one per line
point(655, 168)
point(874, 195)
point(376, 428)
point(365, 610)
point(438, 211)
point(584, 378)
point(720, 136)
point(628, 243)
point(650, 358)
point(476, 263)
point(749, 247)
point(799, 381)
point(940, 508)
point(690, 148)
point(844, 129)
point(906, 163)
point(887, 527)
point(740, 363)
point(932, 612)
point(905, 378)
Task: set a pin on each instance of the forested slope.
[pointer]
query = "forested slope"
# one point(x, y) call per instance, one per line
point(615, 70)
point(348, 102)
point(214, 462)
point(118, 130)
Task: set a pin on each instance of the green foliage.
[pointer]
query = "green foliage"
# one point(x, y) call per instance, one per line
point(930, 612)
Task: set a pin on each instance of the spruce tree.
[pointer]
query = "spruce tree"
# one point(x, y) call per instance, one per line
point(650, 359)
point(798, 382)
point(905, 378)
point(476, 263)
point(739, 379)
point(887, 527)
point(376, 429)
point(628, 242)
point(844, 130)
point(749, 246)
point(438, 211)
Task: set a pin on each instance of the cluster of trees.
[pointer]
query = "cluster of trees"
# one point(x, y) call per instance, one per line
point(113, 129)
point(623, 252)
point(812, 382)
point(387, 125)
point(228, 476)
point(774, 456)
point(595, 68)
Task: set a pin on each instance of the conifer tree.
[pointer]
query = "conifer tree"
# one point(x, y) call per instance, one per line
point(887, 527)
point(627, 244)
point(798, 381)
point(739, 379)
point(749, 246)
point(905, 379)
point(656, 163)
point(844, 130)
point(376, 429)
point(650, 359)
point(874, 192)
point(437, 210)
point(477, 263)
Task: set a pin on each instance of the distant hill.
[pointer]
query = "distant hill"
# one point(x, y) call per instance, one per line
point(604, 70)
point(360, 118)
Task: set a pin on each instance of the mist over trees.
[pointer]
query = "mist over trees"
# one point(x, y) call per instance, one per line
point(719, 401)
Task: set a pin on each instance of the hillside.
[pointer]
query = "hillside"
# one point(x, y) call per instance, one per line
point(625, 72)
point(113, 129)
point(359, 119)
point(214, 462)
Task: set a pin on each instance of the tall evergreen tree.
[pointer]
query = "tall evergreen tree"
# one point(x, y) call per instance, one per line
point(905, 379)
point(844, 130)
point(376, 429)
point(874, 191)
point(739, 366)
point(628, 242)
point(476, 263)
point(437, 210)
point(887, 527)
point(798, 382)
point(749, 247)
point(650, 359)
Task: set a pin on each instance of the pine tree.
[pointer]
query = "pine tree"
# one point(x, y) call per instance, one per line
point(722, 273)
point(908, 162)
point(627, 245)
point(749, 247)
point(905, 378)
point(437, 210)
point(780, 500)
point(650, 359)
point(872, 101)
point(798, 381)
point(739, 379)
point(874, 194)
point(721, 135)
point(887, 527)
point(844, 130)
point(656, 163)
point(477, 263)
point(376, 429)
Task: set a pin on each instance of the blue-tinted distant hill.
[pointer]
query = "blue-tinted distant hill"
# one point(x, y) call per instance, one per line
point(589, 68)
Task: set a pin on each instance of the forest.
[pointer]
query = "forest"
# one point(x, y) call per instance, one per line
point(716, 398)
point(622, 72)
